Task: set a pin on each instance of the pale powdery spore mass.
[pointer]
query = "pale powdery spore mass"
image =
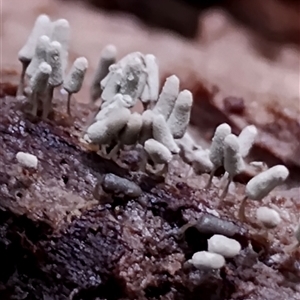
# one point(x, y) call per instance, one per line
point(27, 160)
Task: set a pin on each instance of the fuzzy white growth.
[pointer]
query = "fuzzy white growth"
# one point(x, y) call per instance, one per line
point(61, 33)
point(158, 152)
point(73, 81)
point(41, 27)
point(111, 107)
point(246, 139)
point(40, 55)
point(38, 84)
point(204, 260)
point(108, 57)
point(186, 153)
point(111, 69)
point(97, 133)
point(117, 102)
point(216, 155)
point(269, 217)
point(125, 100)
point(134, 77)
point(262, 184)
point(27, 160)
point(162, 133)
point(112, 86)
point(55, 61)
point(151, 90)
point(127, 77)
point(56, 76)
point(146, 131)
point(233, 161)
point(187, 148)
point(224, 246)
point(217, 146)
point(130, 134)
point(105, 130)
point(167, 97)
point(180, 116)
point(201, 162)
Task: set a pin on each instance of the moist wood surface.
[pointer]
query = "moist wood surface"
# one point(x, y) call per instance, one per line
point(58, 242)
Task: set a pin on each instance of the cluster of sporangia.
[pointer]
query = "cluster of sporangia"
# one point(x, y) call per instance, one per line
point(44, 59)
point(159, 131)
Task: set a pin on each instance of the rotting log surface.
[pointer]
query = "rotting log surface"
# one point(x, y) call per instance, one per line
point(57, 242)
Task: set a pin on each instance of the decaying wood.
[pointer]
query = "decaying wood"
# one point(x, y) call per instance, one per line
point(58, 242)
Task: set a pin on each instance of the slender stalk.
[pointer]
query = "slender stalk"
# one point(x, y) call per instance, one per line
point(225, 191)
point(47, 101)
point(211, 175)
point(241, 213)
point(34, 101)
point(20, 90)
point(114, 151)
point(69, 104)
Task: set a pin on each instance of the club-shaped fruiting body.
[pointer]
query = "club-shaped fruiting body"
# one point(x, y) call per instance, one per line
point(151, 90)
point(38, 85)
point(105, 130)
point(217, 146)
point(127, 77)
point(97, 133)
point(180, 115)
point(125, 100)
point(27, 160)
point(41, 27)
point(201, 162)
point(146, 131)
point(108, 57)
point(246, 139)
point(134, 78)
point(167, 97)
point(56, 76)
point(262, 184)
point(130, 133)
point(38, 82)
point(55, 61)
point(112, 86)
point(205, 260)
point(116, 121)
point(73, 81)
point(111, 69)
point(224, 246)
point(187, 148)
point(61, 33)
point(233, 161)
point(269, 217)
point(40, 55)
point(111, 107)
point(117, 102)
point(158, 152)
point(186, 153)
point(162, 133)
